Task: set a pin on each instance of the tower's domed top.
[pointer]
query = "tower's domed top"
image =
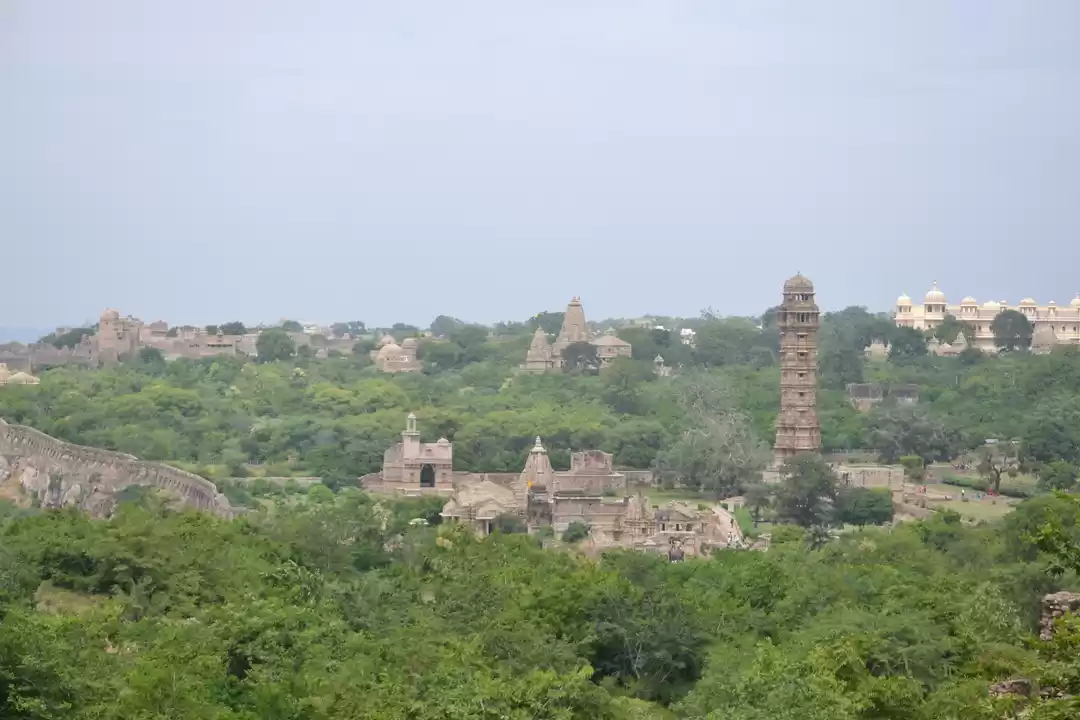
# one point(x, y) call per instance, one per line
point(903, 300)
point(1075, 302)
point(934, 295)
point(991, 305)
point(409, 343)
point(968, 301)
point(110, 314)
point(1027, 301)
point(799, 283)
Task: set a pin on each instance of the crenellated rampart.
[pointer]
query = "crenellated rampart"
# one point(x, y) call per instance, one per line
point(59, 473)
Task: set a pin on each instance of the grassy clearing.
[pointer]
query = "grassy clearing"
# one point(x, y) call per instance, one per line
point(978, 510)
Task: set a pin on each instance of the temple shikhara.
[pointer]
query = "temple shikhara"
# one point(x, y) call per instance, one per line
point(797, 426)
point(1053, 325)
point(544, 356)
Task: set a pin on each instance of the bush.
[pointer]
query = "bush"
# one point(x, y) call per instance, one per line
point(576, 532)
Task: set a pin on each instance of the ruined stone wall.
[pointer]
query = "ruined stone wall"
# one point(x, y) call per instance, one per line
point(58, 474)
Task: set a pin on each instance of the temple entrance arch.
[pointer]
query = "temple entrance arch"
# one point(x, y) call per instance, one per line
point(427, 476)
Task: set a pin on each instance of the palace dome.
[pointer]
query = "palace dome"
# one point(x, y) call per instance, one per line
point(409, 343)
point(903, 300)
point(799, 283)
point(935, 295)
point(109, 315)
point(991, 305)
point(386, 340)
point(968, 301)
point(1075, 302)
point(1027, 301)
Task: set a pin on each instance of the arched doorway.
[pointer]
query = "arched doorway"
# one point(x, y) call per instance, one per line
point(427, 476)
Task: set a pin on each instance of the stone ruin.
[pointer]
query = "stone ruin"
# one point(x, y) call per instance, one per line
point(37, 468)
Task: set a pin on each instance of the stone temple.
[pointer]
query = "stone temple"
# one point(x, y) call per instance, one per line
point(797, 427)
point(544, 356)
point(591, 492)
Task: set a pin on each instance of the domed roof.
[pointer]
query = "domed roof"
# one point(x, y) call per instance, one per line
point(934, 295)
point(389, 350)
point(109, 314)
point(968, 301)
point(386, 340)
point(799, 283)
point(409, 343)
point(991, 305)
point(904, 299)
point(1027, 301)
point(1075, 302)
point(1051, 304)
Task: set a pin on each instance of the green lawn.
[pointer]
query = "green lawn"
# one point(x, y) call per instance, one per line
point(977, 510)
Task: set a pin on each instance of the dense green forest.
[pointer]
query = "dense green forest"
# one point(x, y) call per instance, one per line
point(334, 417)
point(333, 606)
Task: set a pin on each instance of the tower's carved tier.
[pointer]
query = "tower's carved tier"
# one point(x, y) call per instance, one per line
point(797, 426)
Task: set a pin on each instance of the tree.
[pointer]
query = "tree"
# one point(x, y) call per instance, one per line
point(69, 339)
point(914, 467)
point(757, 497)
point(274, 344)
point(575, 532)
point(719, 452)
point(950, 327)
point(910, 430)
point(443, 325)
point(440, 355)
point(623, 383)
point(151, 356)
point(509, 525)
point(211, 329)
point(1012, 331)
point(732, 341)
point(580, 357)
point(233, 328)
point(997, 459)
point(807, 495)
point(905, 343)
point(551, 322)
point(1058, 475)
point(840, 359)
point(291, 326)
point(352, 328)
point(865, 506)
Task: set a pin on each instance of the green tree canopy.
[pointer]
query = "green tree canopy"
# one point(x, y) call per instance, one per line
point(274, 344)
point(807, 495)
point(1012, 331)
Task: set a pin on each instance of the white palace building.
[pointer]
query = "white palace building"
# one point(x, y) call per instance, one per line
point(1054, 325)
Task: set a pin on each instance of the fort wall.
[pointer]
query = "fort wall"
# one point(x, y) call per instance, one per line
point(59, 473)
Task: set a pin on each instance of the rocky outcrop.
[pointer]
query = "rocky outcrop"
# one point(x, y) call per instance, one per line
point(1054, 606)
point(57, 474)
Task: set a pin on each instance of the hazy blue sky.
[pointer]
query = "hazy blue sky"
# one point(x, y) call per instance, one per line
point(201, 161)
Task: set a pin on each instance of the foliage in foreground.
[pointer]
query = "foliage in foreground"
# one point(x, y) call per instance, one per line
point(338, 607)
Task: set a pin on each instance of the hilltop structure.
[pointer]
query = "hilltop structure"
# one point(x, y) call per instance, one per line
point(543, 356)
point(393, 358)
point(119, 338)
point(591, 492)
point(1053, 325)
point(797, 426)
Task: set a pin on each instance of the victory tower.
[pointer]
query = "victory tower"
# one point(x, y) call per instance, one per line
point(797, 426)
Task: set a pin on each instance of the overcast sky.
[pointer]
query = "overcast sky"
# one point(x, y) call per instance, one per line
point(199, 161)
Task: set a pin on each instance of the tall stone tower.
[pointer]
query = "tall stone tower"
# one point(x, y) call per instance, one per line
point(797, 426)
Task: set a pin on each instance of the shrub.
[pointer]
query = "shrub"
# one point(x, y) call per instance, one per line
point(577, 532)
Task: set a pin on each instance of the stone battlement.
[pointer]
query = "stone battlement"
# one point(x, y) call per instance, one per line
point(59, 473)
